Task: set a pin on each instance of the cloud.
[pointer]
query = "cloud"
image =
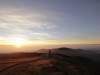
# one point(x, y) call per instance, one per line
point(42, 34)
point(22, 24)
point(21, 21)
point(15, 18)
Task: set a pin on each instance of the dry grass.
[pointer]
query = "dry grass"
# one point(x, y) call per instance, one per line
point(50, 66)
point(9, 62)
point(43, 67)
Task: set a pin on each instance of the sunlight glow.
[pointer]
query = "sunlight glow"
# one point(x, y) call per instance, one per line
point(18, 42)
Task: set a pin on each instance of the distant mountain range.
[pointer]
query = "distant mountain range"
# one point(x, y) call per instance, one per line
point(95, 55)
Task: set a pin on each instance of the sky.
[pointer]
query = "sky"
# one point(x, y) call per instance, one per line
point(49, 22)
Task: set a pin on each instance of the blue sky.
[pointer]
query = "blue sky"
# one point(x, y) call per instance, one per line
point(50, 21)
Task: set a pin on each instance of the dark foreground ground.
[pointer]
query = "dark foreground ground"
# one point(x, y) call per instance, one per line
point(41, 64)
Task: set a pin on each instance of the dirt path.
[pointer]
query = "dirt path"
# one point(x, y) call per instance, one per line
point(8, 69)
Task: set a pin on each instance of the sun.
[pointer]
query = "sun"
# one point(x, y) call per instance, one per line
point(18, 42)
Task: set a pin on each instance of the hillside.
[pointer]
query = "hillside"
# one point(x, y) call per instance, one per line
point(57, 64)
point(18, 55)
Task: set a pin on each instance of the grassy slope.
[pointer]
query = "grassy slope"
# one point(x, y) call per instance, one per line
point(8, 60)
point(57, 65)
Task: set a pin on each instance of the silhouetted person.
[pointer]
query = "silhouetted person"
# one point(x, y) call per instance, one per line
point(50, 55)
